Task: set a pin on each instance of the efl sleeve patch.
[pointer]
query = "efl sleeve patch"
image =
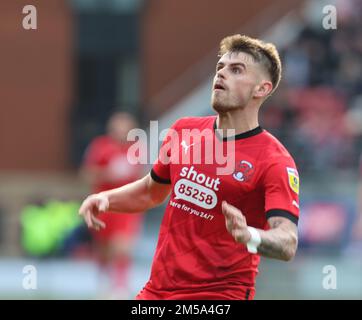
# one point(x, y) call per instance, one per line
point(293, 178)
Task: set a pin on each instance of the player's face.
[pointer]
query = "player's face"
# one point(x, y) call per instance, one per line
point(235, 81)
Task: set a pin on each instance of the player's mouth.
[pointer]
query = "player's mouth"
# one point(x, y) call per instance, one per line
point(219, 86)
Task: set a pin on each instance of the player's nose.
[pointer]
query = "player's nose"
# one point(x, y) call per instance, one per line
point(220, 73)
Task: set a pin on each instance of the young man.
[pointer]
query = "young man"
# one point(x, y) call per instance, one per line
point(216, 226)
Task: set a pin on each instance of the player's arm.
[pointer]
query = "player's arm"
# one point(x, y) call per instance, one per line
point(281, 193)
point(279, 242)
point(135, 197)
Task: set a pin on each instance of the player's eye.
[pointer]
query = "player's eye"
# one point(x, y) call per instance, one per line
point(235, 70)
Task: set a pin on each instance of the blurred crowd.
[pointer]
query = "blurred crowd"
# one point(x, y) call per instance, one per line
point(317, 111)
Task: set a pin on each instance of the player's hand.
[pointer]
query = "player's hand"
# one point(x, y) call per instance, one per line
point(235, 223)
point(91, 207)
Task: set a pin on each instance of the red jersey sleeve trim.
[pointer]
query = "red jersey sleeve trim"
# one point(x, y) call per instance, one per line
point(158, 179)
point(282, 213)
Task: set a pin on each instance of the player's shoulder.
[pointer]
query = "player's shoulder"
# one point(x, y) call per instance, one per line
point(194, 122)
point(273, 149)
point(101, 139)
point(100, 142)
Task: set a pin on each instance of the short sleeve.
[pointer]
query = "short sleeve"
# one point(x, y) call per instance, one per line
point(161, 168)
point(281, 187)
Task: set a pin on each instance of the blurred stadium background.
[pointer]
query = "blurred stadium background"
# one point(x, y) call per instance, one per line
point(155, 59)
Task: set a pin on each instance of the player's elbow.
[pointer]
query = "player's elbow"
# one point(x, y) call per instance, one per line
point(154, 202)
point(156, 193)
point(288, 256)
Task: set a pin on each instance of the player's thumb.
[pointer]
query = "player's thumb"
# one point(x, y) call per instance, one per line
point(225, 207)
point(228, 208)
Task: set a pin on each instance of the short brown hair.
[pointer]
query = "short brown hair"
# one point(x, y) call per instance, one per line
point(262, 52)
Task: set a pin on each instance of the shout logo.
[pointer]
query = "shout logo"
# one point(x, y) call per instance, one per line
point(244, 171)
point(197, 188)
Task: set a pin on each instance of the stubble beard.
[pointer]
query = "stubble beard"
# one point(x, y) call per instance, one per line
point(222, 104)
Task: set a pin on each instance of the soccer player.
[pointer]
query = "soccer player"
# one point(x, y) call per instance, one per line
point(216, 226)
point(106, 167)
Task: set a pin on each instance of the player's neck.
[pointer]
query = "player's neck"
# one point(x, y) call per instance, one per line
point(239, 120)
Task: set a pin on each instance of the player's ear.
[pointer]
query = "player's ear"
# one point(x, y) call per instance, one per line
point(263, 89)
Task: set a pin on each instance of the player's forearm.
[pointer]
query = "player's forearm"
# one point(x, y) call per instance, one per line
point(278, 243)
point(131, 198)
